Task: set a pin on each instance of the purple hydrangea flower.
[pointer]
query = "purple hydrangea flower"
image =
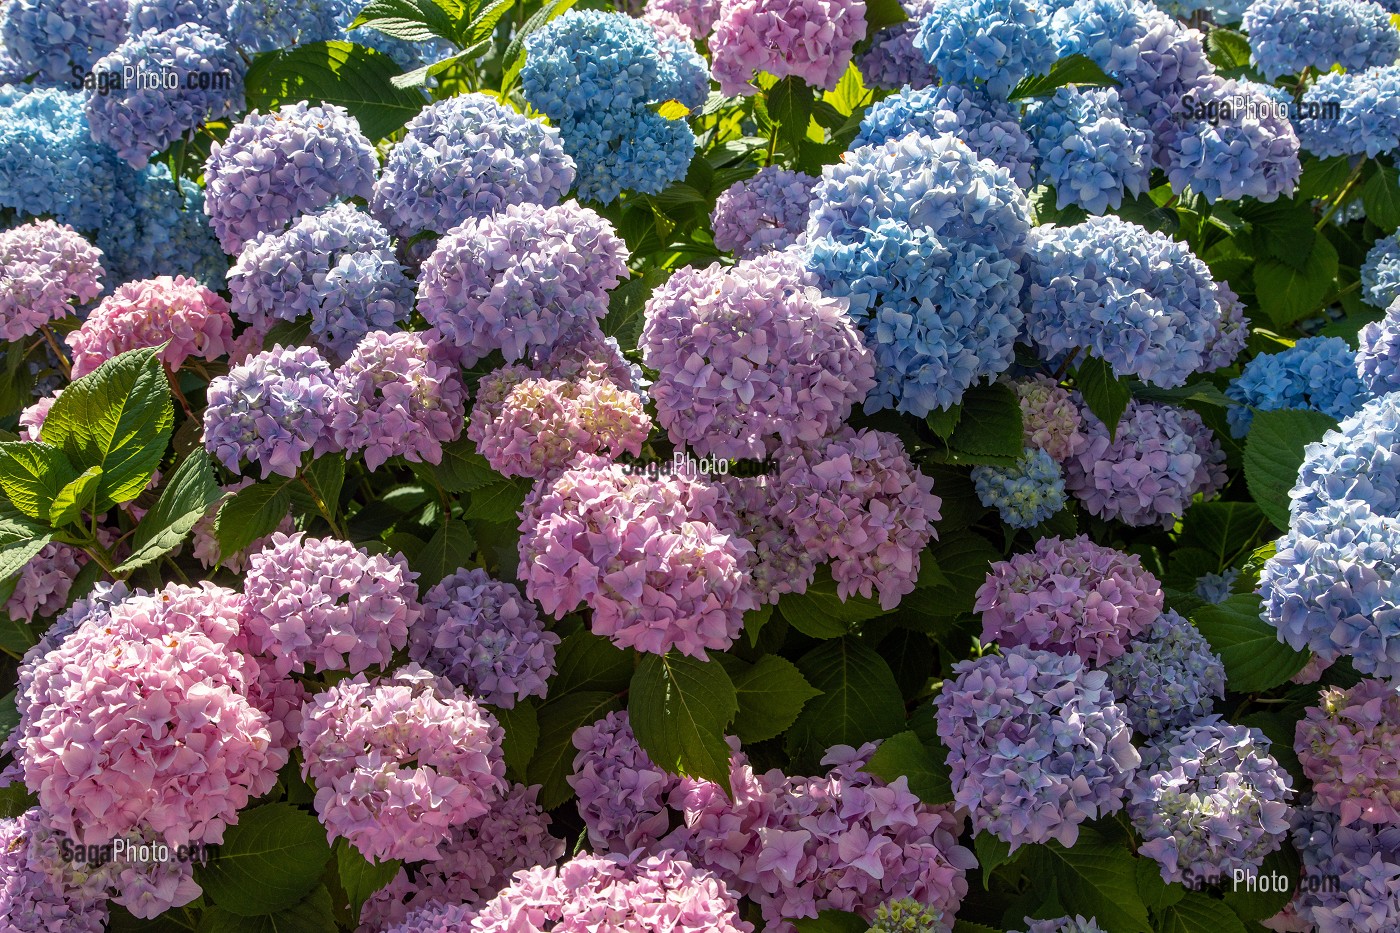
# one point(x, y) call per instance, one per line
point(623, 796)
point(45, 269)
point(1288, 36)
point(270, 410)
point(1091, 150)
point(1168, 678)
point(1245, 147)
point(892, 62)
point(1349, 746)
point(42, 586)
point(1025, 494)
point(781, 562)
point(39, 891)
point(1233, 332)
point(994, 43)
point(807, 39)
point(1378, 356)
point(1169, 59)
point(1364, 860)
point(698, 16)
point(1076, 924)
point(766, 212)
point(1316, 373)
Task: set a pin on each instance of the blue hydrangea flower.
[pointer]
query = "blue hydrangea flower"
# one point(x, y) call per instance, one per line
point(147, 114)
point(1139, 300)
point(892, 62)
point(61, 38)
point(1076, 924)
point(1365, 862)
point(160, 15)
point(270, 411)
point(1171, 59)
point(1287, 36)
point(159, 228)
point(1243, 146)
point(1215, 588)
point(1317, 373)
point(468, 156)
point(1092, 151)
point(1367, 120)
point(597, 76)
point(1378, 353)
point(1168, 678)
point(994, 43)
point(264, 25)
point(1106, 31)
point(1380, 272)
point(1025, 494)
point(991, 127)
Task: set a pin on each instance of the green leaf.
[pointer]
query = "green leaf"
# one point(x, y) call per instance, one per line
point(1261, 905)
point(499, 502)
point(680, 708)
point(790, 106)
point(831, 921)
point(991, 852)
point(522, 735)
point(463, 469)
point(1095, 878)
point(820, 613)
point(860, 700)
point(1072, 69)
point(904, 755)
point(359, 876)
point(20, 540)
point(1286, 293)
point(1197, 913)
point(447, 551)
point(32, 475)
point(990, 424)
point(322, 481)
point(487, 18)
point(414, 80)
point(627, 306)
point(118, 417)
point(1381, 198)
point(313, 914)
point(1155, 892)
point(1227, 531)
point(271, 859)
point(15, 799)
point(1254, 657)
point(78, 495)
point(1274, 453)
point(353, 76)
point(553, 761)
point(943, 421)
point(1106, 394)
point(587, 662)
point(1227, 48)
point(771, 694)
point(183, 502)
point(882, 13)
point(412, 20)
point(249, 514)
point(962, 561)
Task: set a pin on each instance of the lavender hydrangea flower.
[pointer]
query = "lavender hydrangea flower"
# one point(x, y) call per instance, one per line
point(1050, 419)
point(270, 410)
point(1137, 299)
point(782, 561)
point(465, 157)
point(807, 39)
point(622, 794)
point(1378, 353)
point(1037, 744)
point(1091, 150)
point(1215, 588)
point(45, 269)
point(1233, 332)
point(991, 127)
point(766, 212)
point(483, 636)
point(751, 357)
point(892, 62)
point(160, 15)
point(275, 166)
point(1316, 373)
point(1210, 799)
point(1025, 494)
point(42, 585)
point(1365, 860)
point(1349, 746)
point(1168, 678)
point(1248, 150)
point(697, 16)
point(1368, 121)
point(1288, 36)
point(520, 278)
point(396, 397)
point(38, 891)
point(994, 43)
point(61, 38)
point(1169, 59)
point(147, 114)
point(1380, 272)
point(336, 265)
point(1076, 924)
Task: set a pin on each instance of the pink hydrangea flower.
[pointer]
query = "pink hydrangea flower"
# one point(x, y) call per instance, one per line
point(43, 584)
point(140, 720)
point(45, 268)
point(808, 39)
point(399, 762)
point(622, 794)
point(148, 313)
point(39, 892)
point(751, 357)
point(698, 16)
point(327, 603)
point(31, 420)
point(1051, 420)
point(1349, 746)
point(1069, 596)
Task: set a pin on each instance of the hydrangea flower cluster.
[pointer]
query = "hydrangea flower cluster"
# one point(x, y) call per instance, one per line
point(622, 795)
point(1076, 924)
point(327, 603)
point(751, 357)
point(45, 269)
point(1288, 36)
point(1316, 373)
point(906, 915)
point(466, 157)
point(1233, 332)
point(1170, 59)
point(596, 76)
point(1168, 678)
point(1025, 494)
point(194, 320)
point(766, 212)
point(109, 711)
point(991, 127)
point(1250, 148)
point(1349, 746)
point(658, 561)
point(1037, 744)
point(1147, 474)
point(1091, 150)
point(1380, 272)
point(398, 762)
point(140, 120)
point(1368, 123)
point(935, 292)
point(993, 43)
point(781, 562)
point(697, 16)
point(276, 166)
point(483, 636)
point(336, 265)
point(61, 38)
point(50, 165)
point(396, 397)
point(1378, 354)
point(1137, 299)
point(1108, 32)
point(1050, 419)
point(1215, 588)
point(41, 589)
point(892, 62)
point(811, 40)
point(520, 278)
point(37, 892)
point(270, 410)
point(160, 15)
point(1366, 862)
point(1210, 799)
point(1070, 597)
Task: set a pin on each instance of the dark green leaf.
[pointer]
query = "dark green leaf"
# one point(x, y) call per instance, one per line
point(943, 421)
point(831, 921)
point(991, 852)
point(463, 469)
point(554, 756)
point(1155, 892)
point(498, 502)
point(1286, 293)
point(447, 551)
point(32, 475)
point(904, 755)
point(359, 876)
point(820, 613)
point(790, 106)
point(1197, 913)
point(990, 424)
point(1095, 878)
point(313, 914)
point(320, 484)
point(1254, 657)
point(251, 513)
point(1227, 531)
point(586, 662)
point(1261, 905)
point(860, 700)
point(1072, 69)
point(1227, 48)
point(522, 727)
point(963, 560)
point(412, 20)
point(1381, 198)
point(271, 859)
point(184, 500)
point(627, 306)
point(78, 496)
point(1274, 453)
point(1106, 394)
point(680, 708)
point(771, 693)
point(882, 13)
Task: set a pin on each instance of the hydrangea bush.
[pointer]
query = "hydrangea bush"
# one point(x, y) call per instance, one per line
point(700, 466)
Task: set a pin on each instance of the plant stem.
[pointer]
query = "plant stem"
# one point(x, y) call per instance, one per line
point(63, 362)
point(321, 507)
point(1342, 195)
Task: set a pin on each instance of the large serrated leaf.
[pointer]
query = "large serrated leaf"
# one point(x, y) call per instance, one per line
point(269, 861)
point(679, 708)
point(360, 877)
point(554, 754)
point(1072, 69)
point(771, 694)
point(1274, 453)
point(76, 497)
point(1106, 394)
point(183, 502)
point(32, 476)
point(1254, 657)
point(314, 913)
point(449, 549)
point(990, 423)
point(860, 700)
point(904, 755)
point(821, 613)
point(1197, 913)
point(251, 513)
point(1095, 878)
point(1287, 293)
